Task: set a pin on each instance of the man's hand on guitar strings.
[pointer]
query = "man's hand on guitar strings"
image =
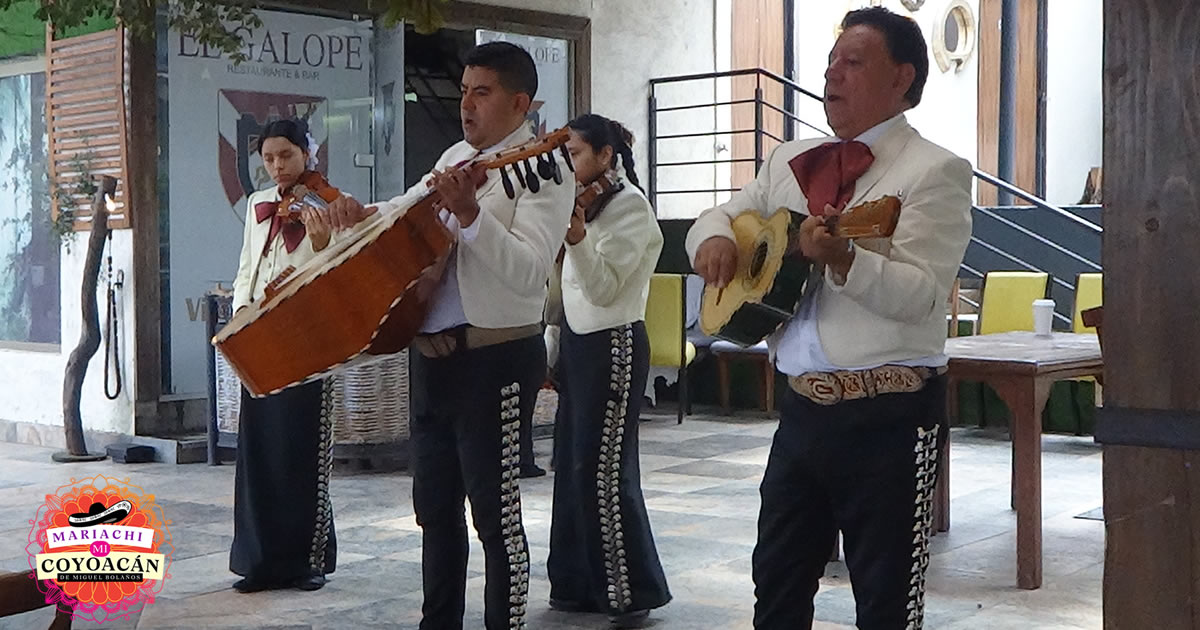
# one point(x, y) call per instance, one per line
point(716, 261)
point(345, 212)
point(816, 243)
point(457, 190)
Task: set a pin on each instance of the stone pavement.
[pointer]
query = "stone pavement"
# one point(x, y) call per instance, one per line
point(700, 480)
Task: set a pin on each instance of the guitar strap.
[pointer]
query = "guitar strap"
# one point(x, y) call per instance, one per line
point(816, 278)
point(599, 203)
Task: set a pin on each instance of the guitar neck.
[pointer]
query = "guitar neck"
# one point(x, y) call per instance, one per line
point(872, 219)
point(853, 231)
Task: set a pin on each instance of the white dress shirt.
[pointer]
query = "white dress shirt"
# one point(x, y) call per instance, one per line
point(496, 274)
point(891, 306)
point(799, 349)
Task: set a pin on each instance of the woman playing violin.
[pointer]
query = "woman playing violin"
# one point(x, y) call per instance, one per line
point(602, 552)
point(283, 534)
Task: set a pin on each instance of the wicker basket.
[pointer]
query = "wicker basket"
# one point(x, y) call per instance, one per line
point(370, 402)
point(229, 396)
point(545, 408)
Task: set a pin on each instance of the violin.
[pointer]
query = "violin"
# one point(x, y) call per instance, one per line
point(310, 189)
point(593, 197)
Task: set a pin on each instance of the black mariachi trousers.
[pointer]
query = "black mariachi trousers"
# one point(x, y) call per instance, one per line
point(282, 514)
point(465, 426)
point(602, 552)
point(865, 467)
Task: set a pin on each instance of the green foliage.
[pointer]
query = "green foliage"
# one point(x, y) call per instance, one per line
point(21, 33)
point(221, 24)
point(424, 15)
point(67, 194)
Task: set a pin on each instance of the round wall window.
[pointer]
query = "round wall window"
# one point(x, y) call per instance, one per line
point(954, 36)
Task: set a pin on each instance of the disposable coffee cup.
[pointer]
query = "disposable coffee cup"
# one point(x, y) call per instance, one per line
point(1043, 316)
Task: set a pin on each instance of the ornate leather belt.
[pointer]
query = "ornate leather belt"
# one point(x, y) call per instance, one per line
point(829, 388)
point(467, 337)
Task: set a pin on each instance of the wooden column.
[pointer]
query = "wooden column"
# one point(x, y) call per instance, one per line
point(757, 43)
point(1150, 426)
point(142, 133)
point(1024, 144)
point(987, 117)
point(1025, 109)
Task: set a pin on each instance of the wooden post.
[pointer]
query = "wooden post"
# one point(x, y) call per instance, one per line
point(89, 336)
point(757, 43)
point(142, 186)
point(1150, 424)
point(20, 594)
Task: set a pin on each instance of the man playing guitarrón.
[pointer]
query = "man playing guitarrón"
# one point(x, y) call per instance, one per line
point(480, 358)
point(856, 445)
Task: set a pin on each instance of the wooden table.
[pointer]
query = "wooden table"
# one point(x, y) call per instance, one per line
point(1021, 367)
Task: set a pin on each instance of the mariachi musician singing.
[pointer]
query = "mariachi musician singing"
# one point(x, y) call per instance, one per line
point(864, 416)
point(283, 533)
point(479, 358)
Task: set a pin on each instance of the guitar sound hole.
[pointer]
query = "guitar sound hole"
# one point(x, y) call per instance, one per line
point(758, 260)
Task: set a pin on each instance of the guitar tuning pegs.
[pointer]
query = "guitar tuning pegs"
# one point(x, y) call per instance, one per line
point(516, 167)
point(555, 171)
point(567, 156)
point(530, 178)
point(544, 168)
point(508, 185)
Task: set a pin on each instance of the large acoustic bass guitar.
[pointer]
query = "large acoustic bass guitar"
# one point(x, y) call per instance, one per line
point(356, 300)
point(771, 281)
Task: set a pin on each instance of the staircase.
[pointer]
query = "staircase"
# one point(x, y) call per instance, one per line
point(1063, 241)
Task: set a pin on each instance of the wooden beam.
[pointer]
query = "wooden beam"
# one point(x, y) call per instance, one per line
point(1150, 103)
point(577, 30)
point(1151, 334)
point(1024, 145)
point(581, 89)
point(988, 91)
point(142, 137)
point(757, 43)
point(20, 594)
point(471, 15)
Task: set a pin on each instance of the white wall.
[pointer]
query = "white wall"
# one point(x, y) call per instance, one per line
point(947, 113)
point(634, 41)
point(33, 380)
point(1074, 96)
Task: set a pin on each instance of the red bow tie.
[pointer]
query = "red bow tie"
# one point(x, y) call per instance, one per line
point(293, 231)
point(827, 173)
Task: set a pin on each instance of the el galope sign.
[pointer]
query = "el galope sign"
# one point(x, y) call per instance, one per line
point(101, 547)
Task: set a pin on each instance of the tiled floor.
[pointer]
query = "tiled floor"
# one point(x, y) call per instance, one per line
point(700, 481)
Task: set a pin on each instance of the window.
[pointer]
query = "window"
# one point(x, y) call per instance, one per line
point(29, 250)
point(954, 36)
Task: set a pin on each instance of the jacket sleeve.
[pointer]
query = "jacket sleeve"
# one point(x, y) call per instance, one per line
point(612, 250)
point(521, 254)
point(716, 221)
point(246, 263)
point(926, 249)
